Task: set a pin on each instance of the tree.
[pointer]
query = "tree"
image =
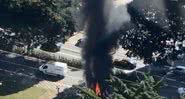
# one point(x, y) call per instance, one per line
point(147, 88)
point(60, 24)
point(46, 21)
point(153, 24)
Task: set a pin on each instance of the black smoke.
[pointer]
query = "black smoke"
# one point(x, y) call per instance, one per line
point(96, 51)
point(100, 41)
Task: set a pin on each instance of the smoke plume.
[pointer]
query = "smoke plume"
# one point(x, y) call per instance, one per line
point(102, 20)
point(117, 14)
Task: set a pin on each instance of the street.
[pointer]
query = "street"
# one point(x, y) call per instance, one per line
point(27, 67)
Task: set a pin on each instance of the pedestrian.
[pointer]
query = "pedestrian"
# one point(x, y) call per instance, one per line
point(58, 89)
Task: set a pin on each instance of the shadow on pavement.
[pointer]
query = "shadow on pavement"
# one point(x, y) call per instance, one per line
point(52, 78)
point(11, 83)
point(73, 69)
point(17, 73)
point(18, 59)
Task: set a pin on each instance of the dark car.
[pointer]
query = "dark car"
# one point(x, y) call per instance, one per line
point(124, 64)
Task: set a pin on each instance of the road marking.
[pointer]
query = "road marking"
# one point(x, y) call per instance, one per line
point(19, 64)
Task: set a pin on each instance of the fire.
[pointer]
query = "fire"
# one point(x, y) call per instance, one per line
point(97, 89)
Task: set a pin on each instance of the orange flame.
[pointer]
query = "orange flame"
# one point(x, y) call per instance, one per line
point(97, 89)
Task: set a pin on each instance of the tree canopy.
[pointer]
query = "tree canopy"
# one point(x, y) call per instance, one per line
point(37, 21)
point(157, 27)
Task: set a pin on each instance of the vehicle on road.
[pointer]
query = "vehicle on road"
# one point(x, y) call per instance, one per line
point(180, 70)
point(54, 68)
point(124, 64)
point(181, 91)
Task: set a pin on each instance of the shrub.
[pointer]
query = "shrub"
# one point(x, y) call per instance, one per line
point(35, 22)
point(71, 61)
point(148, 88)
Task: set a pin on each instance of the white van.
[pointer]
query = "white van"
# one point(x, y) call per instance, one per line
point(54, 68)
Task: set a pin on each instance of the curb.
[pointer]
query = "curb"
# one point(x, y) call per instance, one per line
point(71, 61)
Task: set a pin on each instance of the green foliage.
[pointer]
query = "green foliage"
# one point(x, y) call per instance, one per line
point(77, 15)
point(148, 88)
point(37, 21)
point(50, 47)
point(151, 26)
point(74, 62)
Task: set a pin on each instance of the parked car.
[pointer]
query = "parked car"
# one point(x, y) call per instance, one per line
point(179, 70)
point(124, 64)
point(181, 91)
point(54, 68)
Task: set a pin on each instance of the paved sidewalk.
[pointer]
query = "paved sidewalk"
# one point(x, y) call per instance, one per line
point(73, 40)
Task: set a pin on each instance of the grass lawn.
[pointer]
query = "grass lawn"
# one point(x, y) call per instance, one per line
point(30, 93)
point(19, 87)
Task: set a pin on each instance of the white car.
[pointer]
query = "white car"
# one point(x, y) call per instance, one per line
point(181, 91)
point(54, 68)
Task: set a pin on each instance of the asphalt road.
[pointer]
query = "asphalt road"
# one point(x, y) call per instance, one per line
point(28, 67)
point(171, 83)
